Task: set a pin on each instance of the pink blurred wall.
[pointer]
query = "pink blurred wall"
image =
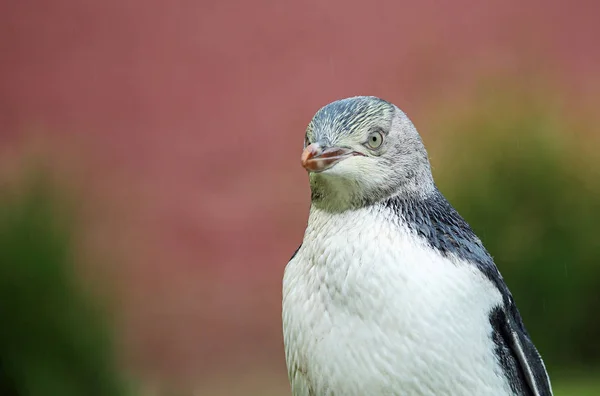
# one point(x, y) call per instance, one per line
point(181, 124)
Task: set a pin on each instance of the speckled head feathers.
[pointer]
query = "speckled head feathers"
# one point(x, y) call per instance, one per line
point(400, 166)
point(346, 116)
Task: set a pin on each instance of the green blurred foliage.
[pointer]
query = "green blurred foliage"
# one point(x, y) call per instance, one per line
point(577, 386)
point(53, 339)
point(515, 167)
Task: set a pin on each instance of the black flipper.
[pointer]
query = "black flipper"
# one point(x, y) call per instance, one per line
point(517, 355)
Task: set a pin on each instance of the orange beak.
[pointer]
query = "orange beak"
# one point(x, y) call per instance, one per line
point(315, 159)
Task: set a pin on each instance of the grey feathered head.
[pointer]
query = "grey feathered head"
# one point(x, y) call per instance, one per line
point(362, 150)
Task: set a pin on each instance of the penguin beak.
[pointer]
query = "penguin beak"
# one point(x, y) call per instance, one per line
point(317, 159)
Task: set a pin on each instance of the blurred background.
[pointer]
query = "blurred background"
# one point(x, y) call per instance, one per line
point(151, 192)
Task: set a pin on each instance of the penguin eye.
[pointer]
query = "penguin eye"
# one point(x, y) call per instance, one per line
point(375, 140)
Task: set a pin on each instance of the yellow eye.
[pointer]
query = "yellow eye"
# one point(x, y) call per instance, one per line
point(375, 140)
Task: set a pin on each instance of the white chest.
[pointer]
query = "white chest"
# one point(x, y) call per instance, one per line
point(370, 310)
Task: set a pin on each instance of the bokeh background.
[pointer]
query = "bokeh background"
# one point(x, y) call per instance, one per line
point(151, 192)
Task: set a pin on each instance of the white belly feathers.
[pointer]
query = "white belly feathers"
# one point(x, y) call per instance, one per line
point(369, 309)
